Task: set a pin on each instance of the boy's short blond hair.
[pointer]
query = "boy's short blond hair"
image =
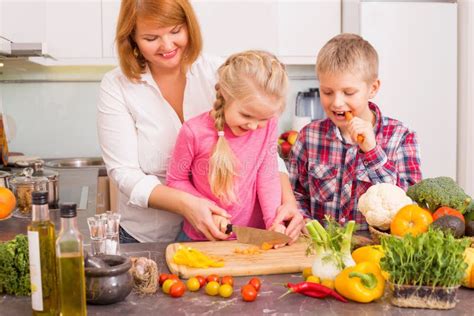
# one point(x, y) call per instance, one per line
point(348, 53)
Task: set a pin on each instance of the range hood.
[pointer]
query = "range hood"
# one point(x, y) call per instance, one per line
point(23, 50)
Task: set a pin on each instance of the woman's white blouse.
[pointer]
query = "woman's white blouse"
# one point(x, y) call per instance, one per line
point(137, 132)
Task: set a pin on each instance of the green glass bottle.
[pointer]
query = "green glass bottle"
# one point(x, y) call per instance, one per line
point(69, 252)
point(41, 247)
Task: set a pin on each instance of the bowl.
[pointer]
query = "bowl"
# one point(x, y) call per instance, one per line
point(108, 285)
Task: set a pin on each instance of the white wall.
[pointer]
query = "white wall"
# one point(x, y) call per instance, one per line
point(58, 119)
point(466, 95)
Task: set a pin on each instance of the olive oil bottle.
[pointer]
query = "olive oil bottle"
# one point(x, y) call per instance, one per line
point(42, 253)
point(70, 260)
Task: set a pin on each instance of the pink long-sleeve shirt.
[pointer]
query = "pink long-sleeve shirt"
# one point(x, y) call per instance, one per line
point(257, 185)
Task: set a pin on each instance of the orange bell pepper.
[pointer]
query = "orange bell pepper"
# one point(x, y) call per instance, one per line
point(410, 219)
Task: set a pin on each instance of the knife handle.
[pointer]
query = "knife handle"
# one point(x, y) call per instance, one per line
point(229, 229)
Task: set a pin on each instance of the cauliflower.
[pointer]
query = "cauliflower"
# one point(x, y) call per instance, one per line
point(381, 202)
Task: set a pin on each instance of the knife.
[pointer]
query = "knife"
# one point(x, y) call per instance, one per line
point(255, 236)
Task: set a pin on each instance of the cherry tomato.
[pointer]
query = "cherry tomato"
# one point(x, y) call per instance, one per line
point(167, 285)
point(193, 284)
point(173, 277)
point(328, 283)
point(444, 210)
point(249, 293)
point(213, 277)
point(226, 290)
point(313, 279)
point(177, 289)
point(163, 277)
point(212, 288)
point(201, 279)
point(307, 272)
point(227, 280)
point(255, 282)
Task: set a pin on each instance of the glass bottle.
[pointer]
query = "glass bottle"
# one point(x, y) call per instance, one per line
point(69, 251)
point(41, 247)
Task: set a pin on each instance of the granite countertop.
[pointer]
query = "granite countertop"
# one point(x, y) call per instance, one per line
point(72, 183)
point(267, 301)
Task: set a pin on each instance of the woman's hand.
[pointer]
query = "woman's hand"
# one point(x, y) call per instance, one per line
point(289, 212)
point(221, 222)
point(199, 213)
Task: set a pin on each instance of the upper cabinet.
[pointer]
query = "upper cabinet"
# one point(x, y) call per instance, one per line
point(73, 29)
point(83, 32)
point(293, 30)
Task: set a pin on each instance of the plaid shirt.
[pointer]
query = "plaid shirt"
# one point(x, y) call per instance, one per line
point(328, 175)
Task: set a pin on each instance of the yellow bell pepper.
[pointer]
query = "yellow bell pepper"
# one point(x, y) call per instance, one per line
point(468, 280)
point(194, 258)
point(362, 283)
point(370, 253)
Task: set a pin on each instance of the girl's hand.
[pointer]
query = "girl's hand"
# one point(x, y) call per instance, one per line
point(289, 212)
point(221, 222)
point(358, 126)
point(280, 228)
point(199, 212)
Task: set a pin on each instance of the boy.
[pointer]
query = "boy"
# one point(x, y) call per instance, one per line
point(335, 160)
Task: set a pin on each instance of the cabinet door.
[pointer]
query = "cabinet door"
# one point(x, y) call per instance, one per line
point(110, 12)
point(23, 21)
point(73, 28)
point(305, 26)
point(232, 26)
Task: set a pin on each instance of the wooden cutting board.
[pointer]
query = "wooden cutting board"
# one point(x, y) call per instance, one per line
point(289, 259)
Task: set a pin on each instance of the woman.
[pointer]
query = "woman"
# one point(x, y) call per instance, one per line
point(162, 81)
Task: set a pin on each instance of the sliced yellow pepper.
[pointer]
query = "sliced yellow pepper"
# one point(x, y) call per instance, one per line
point(362, 283)
point(194, 258)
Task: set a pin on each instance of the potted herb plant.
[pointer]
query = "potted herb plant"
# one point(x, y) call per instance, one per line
point(425, 270)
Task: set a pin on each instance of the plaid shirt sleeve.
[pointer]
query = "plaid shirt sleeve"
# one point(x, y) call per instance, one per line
point(403, 172)
point(298, 172)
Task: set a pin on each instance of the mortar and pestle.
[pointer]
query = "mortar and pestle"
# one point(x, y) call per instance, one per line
point(108, 279)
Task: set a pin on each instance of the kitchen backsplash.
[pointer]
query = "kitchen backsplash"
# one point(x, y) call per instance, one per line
point(53, 118)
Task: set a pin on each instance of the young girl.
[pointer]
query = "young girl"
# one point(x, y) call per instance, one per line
point(229, 155)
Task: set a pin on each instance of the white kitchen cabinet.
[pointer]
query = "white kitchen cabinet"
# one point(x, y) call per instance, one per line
point(110, 12)
point(23, 21)
point(304, 27)
point(417, 47)
point(73, 29)
point(293, 30)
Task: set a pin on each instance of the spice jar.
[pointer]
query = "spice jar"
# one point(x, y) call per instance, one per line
point(53, 182)
point(23, 184)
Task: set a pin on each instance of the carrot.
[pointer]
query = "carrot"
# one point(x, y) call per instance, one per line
point(349, 116)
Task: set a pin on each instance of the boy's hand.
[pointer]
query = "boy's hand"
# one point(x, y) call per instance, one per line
point(358, 126)
point(221, 222)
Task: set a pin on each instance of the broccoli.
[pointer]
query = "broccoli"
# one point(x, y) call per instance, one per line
point(433, 193)
point(14, 266)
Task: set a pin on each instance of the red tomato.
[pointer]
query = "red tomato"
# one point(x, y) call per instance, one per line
point(177, 289)
point(213, 277)
point(163, 277)
point(444, 210)
point(249, 293)
point(227, 280)
point(201, 279)
point(173, 277)
point(255, 282)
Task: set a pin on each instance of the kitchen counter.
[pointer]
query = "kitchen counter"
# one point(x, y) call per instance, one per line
point(75, 185)
point(266, 302)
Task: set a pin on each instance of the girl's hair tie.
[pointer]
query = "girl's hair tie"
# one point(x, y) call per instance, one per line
point(220, 133)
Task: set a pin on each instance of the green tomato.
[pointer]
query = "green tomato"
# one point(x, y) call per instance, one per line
point(193, 284)
point(212, 288)
point(226, 290)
